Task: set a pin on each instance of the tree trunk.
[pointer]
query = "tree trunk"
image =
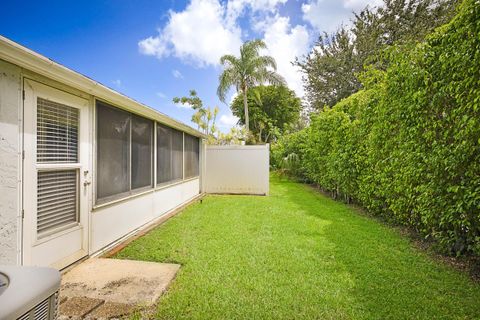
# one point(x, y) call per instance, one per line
point(245, 107)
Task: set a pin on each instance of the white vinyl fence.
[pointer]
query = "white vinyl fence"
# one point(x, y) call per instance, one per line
point(237, 169)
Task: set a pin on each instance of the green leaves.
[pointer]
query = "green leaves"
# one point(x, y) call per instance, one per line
point(273, 111)
point(246, 71)
point(333, 69)
point(204, 117)
point(407, 147)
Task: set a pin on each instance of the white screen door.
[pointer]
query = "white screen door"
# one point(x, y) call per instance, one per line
point(56, 178)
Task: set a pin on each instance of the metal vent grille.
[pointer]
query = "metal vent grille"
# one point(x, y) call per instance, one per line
point(45, 310)
point(57, 132)
point(42, 310)
point(57, 199)
point(26, 316)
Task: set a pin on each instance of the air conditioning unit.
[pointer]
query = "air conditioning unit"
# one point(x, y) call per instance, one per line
point(28, 293)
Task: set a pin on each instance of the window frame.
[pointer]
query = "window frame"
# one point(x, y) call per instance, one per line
point(152, 153)
point(197, 175)
point(132, 193)
point(172, 181)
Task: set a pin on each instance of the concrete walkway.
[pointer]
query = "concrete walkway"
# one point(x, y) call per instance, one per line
point(112, 288)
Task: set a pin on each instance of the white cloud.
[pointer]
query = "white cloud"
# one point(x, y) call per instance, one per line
point(236, 8)
point(161, 95)
point(260, 5)
point(207, 29)
point(183, 105)
point(357, 5)
point(325, 16)
point(234, 95)
point(204, 31)
point(117, 82)
point(177, 74)
point(228, 121)
point(153, 46)
point(328, 15)
point(200, 34)
point(284, 44)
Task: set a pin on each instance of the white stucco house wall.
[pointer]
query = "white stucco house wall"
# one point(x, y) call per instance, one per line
point(82, 166)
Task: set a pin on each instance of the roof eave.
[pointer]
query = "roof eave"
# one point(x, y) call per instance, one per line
point(23, 57)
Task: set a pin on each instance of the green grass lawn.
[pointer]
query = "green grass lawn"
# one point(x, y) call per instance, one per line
point(297, 254)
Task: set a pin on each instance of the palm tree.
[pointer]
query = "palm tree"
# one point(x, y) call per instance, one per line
point(249, 70)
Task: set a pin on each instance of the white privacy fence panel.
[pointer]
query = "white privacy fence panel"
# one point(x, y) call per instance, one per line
point(237, 169)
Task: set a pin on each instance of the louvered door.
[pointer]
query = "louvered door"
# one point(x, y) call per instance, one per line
point(56, 176)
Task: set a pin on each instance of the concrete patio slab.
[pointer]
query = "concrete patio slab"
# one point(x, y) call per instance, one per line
point(120, 285)
point(78, 307)
point(111, 310)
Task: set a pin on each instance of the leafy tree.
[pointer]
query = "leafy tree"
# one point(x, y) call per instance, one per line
point(246, 71)
point(274, 111)
point(331, 70)
point(234, 136)
point(204, 117)
point(400, 21)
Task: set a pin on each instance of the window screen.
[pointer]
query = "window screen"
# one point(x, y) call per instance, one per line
point(192, 149)
point(164, 154)
point(125, 153)
point(177, 155)
point(169, 154)
point(142, 143)
point(113, 151)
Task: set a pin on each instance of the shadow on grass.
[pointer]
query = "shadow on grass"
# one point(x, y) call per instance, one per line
point(297, 254)
point(390, 279)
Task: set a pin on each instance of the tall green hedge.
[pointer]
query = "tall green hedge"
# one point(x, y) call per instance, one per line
point(407, 147)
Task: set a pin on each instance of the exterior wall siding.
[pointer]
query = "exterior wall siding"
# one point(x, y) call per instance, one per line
point(10, 112)
point(112, 222)
point(107, 223)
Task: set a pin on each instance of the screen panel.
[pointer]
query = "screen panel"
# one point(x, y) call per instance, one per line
point(113, 151)
point(192, 150)
point(177, 155)
point(164, 154)
point(142, 152)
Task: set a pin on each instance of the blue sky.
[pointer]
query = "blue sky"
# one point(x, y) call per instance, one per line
point(153, 51)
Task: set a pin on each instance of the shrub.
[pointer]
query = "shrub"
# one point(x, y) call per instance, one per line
point(407, 147)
